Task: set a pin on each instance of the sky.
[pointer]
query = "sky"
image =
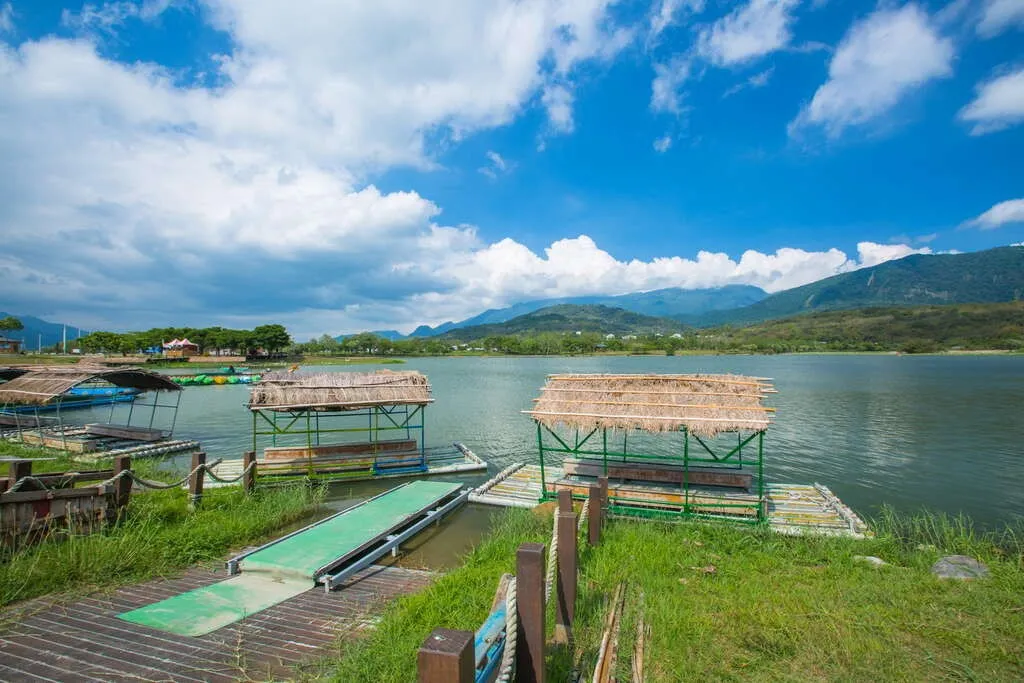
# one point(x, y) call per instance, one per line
point(351, 165)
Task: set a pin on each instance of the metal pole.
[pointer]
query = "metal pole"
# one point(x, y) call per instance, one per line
point(760, 477)
point(540, 450)
point(174, 417)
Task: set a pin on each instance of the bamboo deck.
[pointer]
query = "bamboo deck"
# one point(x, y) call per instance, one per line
point(440, 461)
point(82, 640)
point(91, 447)
point(791, 508)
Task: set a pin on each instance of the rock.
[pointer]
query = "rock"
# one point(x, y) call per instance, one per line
point(870, 559)
point(959, 567)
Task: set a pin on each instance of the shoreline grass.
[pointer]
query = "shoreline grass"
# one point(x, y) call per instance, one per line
point(726, 603)
point(158, 536)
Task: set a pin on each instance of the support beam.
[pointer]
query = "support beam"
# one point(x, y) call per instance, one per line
point(530, 604)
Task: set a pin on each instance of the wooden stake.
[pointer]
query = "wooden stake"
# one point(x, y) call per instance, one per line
point(446, 656)
point(565, 585)
point(123, 486)
point(249, 476)
point(195, 479)
point(594, 515)
point(530, 604)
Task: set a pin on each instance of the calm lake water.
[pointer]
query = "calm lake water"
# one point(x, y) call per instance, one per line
point(945, 432)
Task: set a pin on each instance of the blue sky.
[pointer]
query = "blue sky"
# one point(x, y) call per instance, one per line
point(351, 165)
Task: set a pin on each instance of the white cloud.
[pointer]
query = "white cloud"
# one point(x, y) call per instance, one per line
point(1003, 213)
point(1000, 15)
point(6, 18)
point(758, 80)
point(497, 165)
point(667, 14)
point(748, 32)
point(871, 254)
point(665, 95)
point(999, 104)
point(663, 144)
point(557, 101)
point(880, 60)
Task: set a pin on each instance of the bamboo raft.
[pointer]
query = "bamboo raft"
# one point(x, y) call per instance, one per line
point(94, 442)
point(357, 466)
point(791, 508)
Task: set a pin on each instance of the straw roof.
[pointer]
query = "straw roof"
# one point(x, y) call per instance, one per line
point(705, 405)
point(39, 384)
point(339, 390)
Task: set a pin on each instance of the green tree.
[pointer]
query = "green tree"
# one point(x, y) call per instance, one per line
point(272, 338)
point(10, 323)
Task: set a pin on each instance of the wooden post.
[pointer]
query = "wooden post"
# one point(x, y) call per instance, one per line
point(568, 557)
point(565, 500)
point(446, 656)
point(19, 470)
point(195, 479)
point(530, 605)
point(123, 486)
point(602, 483)
point(594, 515)
point(249, 476)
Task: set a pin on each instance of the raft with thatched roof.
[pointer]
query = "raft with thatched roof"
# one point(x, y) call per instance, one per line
point(669, 445)
point(352, 425)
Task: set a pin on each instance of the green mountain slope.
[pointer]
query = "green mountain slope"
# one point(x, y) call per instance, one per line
point(571, 318)
point(992, 276)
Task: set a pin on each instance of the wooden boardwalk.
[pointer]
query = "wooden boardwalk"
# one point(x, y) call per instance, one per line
point(83, 640)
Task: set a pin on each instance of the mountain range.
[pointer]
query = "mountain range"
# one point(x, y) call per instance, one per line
point(37, 330)
point(572, 318)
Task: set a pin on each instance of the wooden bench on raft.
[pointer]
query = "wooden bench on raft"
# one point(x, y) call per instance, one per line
point(354, 458)
point(661, 472)
point(124, 432)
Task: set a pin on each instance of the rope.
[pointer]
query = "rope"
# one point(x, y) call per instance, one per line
point(157, 485)
point(222, 480)
point(38, 482)
point(508, 657)
point(584, 513)
point(549, 580)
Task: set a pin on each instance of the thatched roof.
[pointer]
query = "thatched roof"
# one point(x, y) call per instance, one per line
point(338, 390)
point(38, 384)
point(704, 404)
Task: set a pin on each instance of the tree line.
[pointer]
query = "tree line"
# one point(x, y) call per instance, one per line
point(269, 338)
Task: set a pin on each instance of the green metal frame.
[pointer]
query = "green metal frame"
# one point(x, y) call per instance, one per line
point(310, 424)
point(551, 443)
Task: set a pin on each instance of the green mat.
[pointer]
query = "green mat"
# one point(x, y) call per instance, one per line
point(286, 569)
point(303, 554)
point(207, 609)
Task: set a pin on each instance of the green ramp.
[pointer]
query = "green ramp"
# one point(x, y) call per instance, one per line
point(284, 568)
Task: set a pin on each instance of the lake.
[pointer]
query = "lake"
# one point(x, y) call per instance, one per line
point(943, 432)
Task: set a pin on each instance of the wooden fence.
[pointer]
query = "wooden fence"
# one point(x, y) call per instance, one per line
point(451, 656)
point(31, 505)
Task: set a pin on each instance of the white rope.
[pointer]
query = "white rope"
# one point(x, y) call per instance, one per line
point(549, 580)
point(584, 513)
point(508, 657)
point(213, 476)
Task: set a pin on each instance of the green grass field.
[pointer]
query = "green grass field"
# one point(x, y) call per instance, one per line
point(725, 603)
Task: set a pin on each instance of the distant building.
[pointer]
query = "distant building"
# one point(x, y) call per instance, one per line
point(180, 348)
point(8, 345)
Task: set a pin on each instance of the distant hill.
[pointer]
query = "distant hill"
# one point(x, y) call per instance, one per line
point(670, 302)
point(34, 327)
point(992, 276)
point(908, 328)
point(569, 318)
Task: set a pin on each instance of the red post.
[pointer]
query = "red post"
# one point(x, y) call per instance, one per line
point(564, 500)
point(195, 479)
point(565, 585)
point(446, 656)
point(123, 486)
point(594, 515)
point(530, 605)
point(249, 475)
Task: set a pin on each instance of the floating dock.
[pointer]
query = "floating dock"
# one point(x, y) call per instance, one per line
point(791, 508)
point(328, 553)
point(358, 465)
point(94, 442)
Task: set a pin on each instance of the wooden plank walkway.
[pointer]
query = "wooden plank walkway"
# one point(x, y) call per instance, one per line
point(82, 640)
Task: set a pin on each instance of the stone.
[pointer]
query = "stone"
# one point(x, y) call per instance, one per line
point(870, 559)
point(959, 567)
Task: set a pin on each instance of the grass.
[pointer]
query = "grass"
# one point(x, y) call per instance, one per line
point(159, 535)
point(725, 603)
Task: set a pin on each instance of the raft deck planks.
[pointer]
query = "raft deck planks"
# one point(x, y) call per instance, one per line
point(82, 640)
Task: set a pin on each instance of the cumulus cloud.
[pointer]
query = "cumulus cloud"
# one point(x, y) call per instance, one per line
point(1003, 213)
point(880, 61)
point(557, 101)
point(999, 104)
point(1000, 15)
point(748, 32)
point(668, 13)
point(668, 78)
